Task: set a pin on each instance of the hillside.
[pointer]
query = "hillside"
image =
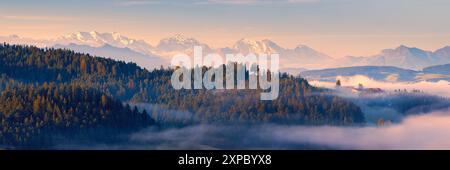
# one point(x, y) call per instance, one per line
point(148, 61)
point(49, 96)
point(43, 115)
point(439, 69)
point(127, 82)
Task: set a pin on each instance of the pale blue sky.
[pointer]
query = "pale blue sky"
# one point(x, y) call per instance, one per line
point(337, 27)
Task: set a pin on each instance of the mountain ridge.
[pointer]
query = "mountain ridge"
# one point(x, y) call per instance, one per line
point(381, 73)
point(298, 58)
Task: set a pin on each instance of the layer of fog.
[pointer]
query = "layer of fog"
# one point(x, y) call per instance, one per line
point(430, 131)
point(416, 132)
point(387, 112)
point(441, 88)
point(426, 131)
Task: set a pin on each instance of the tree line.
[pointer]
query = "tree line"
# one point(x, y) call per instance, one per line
point(73, 89)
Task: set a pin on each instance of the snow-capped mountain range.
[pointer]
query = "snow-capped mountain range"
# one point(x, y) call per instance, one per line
point(402, 57)
point(96, 39)
point(120, 47)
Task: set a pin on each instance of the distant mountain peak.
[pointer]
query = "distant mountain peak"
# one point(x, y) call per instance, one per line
point(302, 46)
point(272, 45)
point(94, 33)
point(302, 56)
point(179, 39)
point(404, 50)
point(402, 56)
point(309, 51)
point(180, 43)
point(443, 48)
point(267, 41)
point(402, 46)
point(98, 39)
point(112, 38)
point(247, 40)
point(14, 36)
point(246, 45)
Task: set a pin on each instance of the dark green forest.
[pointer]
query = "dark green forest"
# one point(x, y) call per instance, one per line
point(57, 91)
point(33, 114)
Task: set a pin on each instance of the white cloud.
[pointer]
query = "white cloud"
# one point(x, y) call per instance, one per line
point(428, 131)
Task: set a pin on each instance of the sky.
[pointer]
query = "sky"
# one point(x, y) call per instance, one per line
point(335, 27)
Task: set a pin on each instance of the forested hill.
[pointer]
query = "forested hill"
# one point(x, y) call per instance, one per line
point(25, 67)
point(37, 115)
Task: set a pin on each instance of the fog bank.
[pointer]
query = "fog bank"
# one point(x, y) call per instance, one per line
point(441, 88)
point(430, 131)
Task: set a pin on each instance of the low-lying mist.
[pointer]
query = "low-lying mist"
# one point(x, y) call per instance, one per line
point(398, 100)
point(440, 88)
point(421, 130)
point(428, 131)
